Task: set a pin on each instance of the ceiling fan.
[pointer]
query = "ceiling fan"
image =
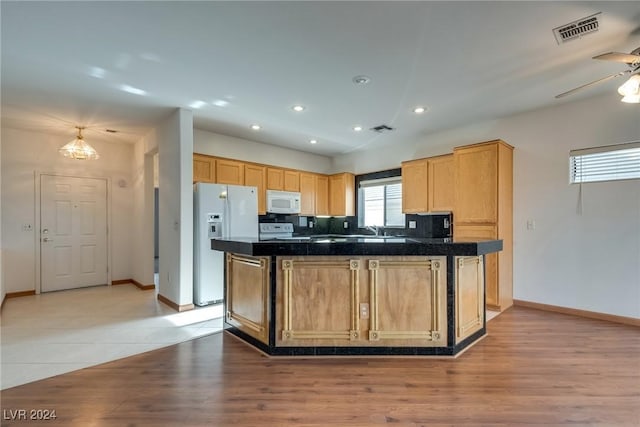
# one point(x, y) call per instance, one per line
point(631, 88)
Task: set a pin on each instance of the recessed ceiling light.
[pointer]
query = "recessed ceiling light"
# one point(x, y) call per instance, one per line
point(419, 110)
point(255, 127)
point(197, 104)
point(220, 103)
point(133, 90)
point(361, 80)
point(357, 128)
point(298, 108)
point(313, 141)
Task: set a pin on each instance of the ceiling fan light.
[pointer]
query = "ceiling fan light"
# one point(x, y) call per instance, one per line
point(631, 99)
point(631, 86)
point(78, 149)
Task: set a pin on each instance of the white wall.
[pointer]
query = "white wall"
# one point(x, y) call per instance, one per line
point(588, 261)
point(175, 151)
point(24, 152)
point(214, 144)
point(143, 209)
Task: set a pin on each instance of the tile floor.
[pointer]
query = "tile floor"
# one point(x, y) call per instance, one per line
point(50, 334)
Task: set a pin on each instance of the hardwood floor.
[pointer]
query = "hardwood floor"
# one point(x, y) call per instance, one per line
point(534, 368)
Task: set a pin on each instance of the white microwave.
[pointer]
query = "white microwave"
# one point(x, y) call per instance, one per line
point(283, 202)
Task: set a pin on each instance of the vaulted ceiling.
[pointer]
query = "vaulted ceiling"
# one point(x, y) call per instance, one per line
point(126, 65)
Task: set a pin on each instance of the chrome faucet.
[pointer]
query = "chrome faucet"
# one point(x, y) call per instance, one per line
point(373, 228)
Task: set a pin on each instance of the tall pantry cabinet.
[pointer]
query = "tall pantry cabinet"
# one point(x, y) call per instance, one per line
point(483, 191)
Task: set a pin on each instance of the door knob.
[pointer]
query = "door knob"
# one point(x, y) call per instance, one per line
point(46, 239)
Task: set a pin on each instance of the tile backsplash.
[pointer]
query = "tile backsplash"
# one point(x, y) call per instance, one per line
point(425, 225)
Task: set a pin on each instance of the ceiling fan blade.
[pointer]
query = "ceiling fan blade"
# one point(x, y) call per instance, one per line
point(604, 79)
point(626, 58)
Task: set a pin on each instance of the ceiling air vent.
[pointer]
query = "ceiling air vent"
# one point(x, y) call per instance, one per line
point(577, 29)
point(381, 128)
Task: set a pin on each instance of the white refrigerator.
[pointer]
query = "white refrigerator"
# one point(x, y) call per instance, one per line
point(220, 212)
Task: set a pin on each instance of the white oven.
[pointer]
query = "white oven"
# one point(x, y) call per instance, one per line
point(283, 202)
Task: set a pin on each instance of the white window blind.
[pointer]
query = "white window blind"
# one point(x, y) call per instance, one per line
point(609, 163)
point(381, 202)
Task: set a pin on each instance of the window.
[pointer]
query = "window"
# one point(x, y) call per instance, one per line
point(380, 202)
point(610, 163)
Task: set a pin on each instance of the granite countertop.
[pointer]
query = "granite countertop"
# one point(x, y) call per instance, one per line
point(356, 245)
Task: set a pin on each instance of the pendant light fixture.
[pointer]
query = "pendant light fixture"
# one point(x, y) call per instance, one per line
point(78, 149)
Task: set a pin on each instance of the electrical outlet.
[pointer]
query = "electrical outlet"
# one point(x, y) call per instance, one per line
point(364, 310)
point(531, 224)
point(345, 224)
point(412, 224)
point(310, 224)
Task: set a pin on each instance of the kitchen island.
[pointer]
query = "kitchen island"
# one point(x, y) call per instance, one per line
point(345, 295)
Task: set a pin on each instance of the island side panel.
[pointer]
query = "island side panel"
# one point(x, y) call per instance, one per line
point(469, 296)
point(248, 295)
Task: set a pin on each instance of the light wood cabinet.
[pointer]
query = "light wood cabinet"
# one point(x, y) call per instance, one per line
point(415, 198)
point(440, 189)
point(320, 300)
point(275, 179)
point(307, 193)
point(469, 291)
point(484, 210)
point(291, 180)
point(204, 168)
point(342, 194)
point(247, 295)
point(229, 172)
point(322, 195)
point(256, 176)
point(427, 185)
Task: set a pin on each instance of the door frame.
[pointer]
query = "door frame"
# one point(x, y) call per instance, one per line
point(37, 192)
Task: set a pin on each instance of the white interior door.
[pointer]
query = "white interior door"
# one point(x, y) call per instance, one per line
point(73, 232)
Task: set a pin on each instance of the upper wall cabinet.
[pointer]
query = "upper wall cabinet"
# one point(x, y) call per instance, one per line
point(275, 179)
point(256, 176)
point(204, 168)
point(342, 194)
point(440, 183)
point(483, 181)
point(291, 180)
point(307, 193)
point(229, 172)
point(427, 185)
point(415, 198)
point(322, 194)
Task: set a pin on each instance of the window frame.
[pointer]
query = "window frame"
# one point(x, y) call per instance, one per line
point(372, 176)
point(578, 176)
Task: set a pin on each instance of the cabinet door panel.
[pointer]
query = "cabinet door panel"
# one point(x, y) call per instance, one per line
point(291, 181)
point(307, 193)
point(441, 176)
point(204, 168)
point(414, 186)
point(229, 172)
point(341, 194)
point(476, 184)
point(275, 179)
point(322, 195)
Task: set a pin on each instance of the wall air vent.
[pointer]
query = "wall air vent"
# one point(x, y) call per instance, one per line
point(577, 29)
point(382, 128)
